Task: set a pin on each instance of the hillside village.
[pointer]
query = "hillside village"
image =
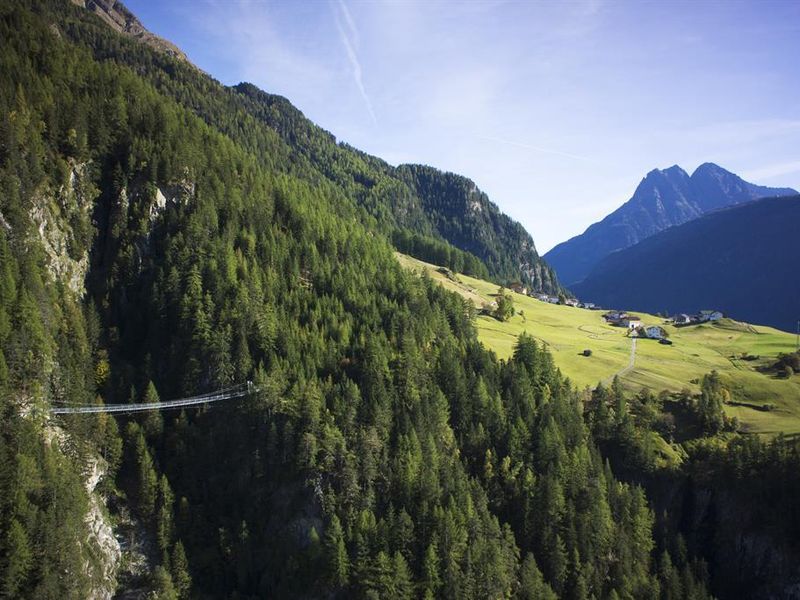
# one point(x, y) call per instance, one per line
point(619, 318)
point(656, 332)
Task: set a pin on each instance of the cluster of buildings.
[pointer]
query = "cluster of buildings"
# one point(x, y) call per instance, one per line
point(655, 332)
point(635, 326)
point(703, 316)
point(521, 289)
point(567, 301)
point(623, 319)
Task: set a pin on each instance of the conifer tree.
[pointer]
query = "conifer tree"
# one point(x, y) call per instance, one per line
point(180, 571)
point(532, 585)
point(337, 562)
point(17, 561)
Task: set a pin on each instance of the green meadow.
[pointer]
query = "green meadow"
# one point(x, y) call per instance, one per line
point(696, 350)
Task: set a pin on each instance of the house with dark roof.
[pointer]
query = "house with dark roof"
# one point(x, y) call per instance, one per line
point(709, 315)
point(630, 322)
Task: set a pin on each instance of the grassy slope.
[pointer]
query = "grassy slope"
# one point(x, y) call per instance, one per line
point(697, 350)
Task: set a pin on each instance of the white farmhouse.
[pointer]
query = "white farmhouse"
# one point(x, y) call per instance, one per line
point(631, 322)
point(655, 332)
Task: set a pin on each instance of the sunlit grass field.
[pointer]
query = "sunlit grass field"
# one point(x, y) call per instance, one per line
point(696, 350)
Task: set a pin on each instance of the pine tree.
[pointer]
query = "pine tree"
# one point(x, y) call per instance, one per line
point(163, 588)
point(17, 562)
point(163, 514)
point(532, 585)
point(153, 422)
point(144, 477)
point(403, 588)
point(180, 571)
point(431, 577)
point(336, 560)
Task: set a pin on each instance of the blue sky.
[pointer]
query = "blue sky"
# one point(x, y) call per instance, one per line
point(556, 110)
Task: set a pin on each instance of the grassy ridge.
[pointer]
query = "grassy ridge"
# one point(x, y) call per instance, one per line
point(697, 350)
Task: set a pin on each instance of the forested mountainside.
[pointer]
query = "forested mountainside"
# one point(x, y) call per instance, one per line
point(147, 252)
point(663, 199)
point(413, 201)
point(737, 260)
point(279, 135)
point(386, 454)
point(418, 205)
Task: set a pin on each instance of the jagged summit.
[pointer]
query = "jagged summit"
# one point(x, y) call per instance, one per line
point(117, 16)
point(663, 199)
point(743, 248)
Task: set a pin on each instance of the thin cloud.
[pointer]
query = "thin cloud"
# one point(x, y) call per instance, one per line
point(349, 40)
point(537, 148)
point(351, 24)
point(733, 132)
point(250, 41)
point(774, 170)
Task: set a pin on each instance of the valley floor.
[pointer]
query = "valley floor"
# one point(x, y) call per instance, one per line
point(696, 350)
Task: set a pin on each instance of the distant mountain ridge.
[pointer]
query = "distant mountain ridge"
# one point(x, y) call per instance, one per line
point(739, 259)
point(663, 199)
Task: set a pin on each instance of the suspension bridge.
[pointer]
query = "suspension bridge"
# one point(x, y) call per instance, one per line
point(229, 393)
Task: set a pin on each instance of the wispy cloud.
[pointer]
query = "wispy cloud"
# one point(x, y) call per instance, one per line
point(351, 24)
point(733, 132)
point(348, 35)
point(773, 170)
point(536, 148)
point(250, 42)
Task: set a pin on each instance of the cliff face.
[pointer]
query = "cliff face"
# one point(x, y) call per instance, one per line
point(101, 534)
point(63, 220)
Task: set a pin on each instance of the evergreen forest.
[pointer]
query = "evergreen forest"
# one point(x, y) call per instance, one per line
point(163, 236)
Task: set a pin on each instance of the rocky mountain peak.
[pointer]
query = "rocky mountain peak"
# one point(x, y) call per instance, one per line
point(117, 16)
point(663, 199)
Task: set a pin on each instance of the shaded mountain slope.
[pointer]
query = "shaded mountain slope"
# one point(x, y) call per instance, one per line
point(663, 199)
point(282, 138)
point(741, 260)
point(414, 198)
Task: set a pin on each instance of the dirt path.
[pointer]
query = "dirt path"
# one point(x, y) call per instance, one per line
point(627, 369)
